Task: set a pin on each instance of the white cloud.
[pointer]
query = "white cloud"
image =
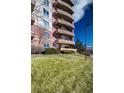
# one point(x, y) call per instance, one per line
point(79, 8)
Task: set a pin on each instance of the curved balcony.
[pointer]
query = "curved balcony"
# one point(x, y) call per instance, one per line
point(65, 32)
point(64, 23)
point(63, 5)
point(64, 15)
point(69, 2)
point(63, 41)
point(71, 49)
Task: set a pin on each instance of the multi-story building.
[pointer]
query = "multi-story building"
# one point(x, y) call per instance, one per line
point(41, 23)
point(53, 24)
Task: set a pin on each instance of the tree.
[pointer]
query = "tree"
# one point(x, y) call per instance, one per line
point(32, 7)
point(79, 46)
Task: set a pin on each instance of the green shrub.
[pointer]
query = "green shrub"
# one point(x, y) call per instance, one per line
point(67, 51)
point(51, 51)
point(37, 49)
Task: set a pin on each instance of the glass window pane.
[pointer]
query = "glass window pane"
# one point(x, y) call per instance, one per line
point(46, 24)
point(46, 13)
point(46, 2)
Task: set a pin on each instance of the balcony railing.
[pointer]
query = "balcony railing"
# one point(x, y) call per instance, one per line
point(64, 14)
point(64, 23)
point(63, 41)
point(69, 2)
point(71, 49)
point(65, 32)
point(63, 5)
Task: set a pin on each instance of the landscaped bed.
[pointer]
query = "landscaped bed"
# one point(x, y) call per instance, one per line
point(61, 73)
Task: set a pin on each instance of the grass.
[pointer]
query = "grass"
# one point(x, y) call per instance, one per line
point(62, 73)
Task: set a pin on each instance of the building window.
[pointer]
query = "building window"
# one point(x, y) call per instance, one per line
point(46, 2)
point(45, 12)
point(47, 34)
point(46, 45)
point(46, 24)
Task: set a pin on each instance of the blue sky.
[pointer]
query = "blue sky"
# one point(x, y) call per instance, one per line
point(80, 26)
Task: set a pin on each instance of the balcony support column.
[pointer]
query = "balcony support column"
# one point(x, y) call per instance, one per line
point(72, 46)
point(60, 46)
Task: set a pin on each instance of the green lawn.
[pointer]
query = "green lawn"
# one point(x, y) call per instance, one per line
point(61, 73)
